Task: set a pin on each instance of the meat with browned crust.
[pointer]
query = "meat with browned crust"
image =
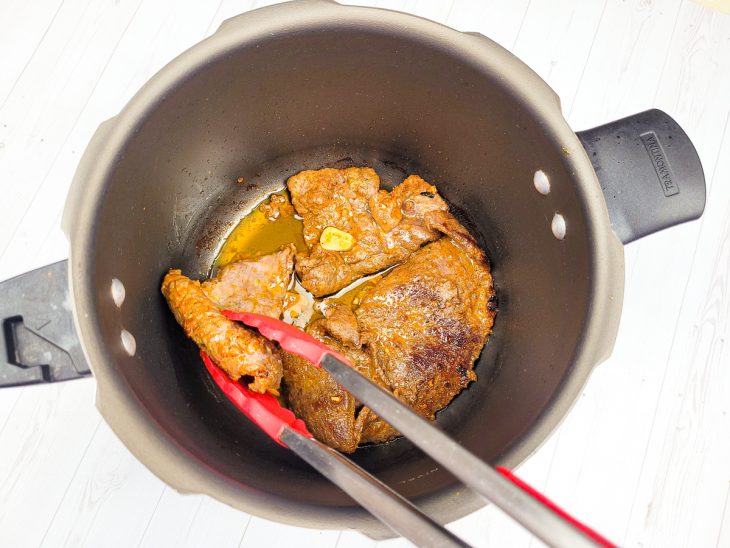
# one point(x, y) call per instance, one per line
point(332, 414)
point(387, 226)
point(235, 349)
point(276, 207)
point(257, 285)
point(341, 323)
point(330, 411)
point(417, 332)
point(426, 321)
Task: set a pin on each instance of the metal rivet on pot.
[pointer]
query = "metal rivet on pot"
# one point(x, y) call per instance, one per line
point(128, 342)
point(542, 183)
point(558, 226)
point(118, 292)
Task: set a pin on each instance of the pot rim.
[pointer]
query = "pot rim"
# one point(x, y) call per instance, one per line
point(126, 414)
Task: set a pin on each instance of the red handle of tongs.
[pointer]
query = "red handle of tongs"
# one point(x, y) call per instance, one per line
point(537, 495)
point(290, 338)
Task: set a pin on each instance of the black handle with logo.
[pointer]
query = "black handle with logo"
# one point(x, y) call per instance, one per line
point(650, 173)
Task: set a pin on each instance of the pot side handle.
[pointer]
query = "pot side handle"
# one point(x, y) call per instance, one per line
point(649, 171)
point(38, 342)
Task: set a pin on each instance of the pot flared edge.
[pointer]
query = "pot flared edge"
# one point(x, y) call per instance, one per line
point(125, 413)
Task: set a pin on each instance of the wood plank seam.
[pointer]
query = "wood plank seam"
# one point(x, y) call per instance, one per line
point(32, 55)
point(152, 514)
point(70, 482)
point(522, 22)
point(726, 135)
point(724, 515)
point(63, 144)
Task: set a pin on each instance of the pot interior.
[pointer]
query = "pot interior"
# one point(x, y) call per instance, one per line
point(371, 95)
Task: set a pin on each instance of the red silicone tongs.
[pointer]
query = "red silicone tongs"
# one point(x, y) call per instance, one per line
point(499, 486)
point(380, 500)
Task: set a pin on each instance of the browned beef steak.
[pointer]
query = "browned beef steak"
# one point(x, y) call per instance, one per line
point(386, 227)
point(257, 285)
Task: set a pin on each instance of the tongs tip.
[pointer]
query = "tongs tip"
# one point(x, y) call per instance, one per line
point(263, 409)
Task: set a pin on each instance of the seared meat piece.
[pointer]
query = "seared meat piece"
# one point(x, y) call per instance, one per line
point(235, 349)
point(341, 323)
point(332, 414)
point(277, 206)
point(329, 410)
point(386, 226)
point(376, 430)
point(426, 321)
point(257, 285)
point(421, 328)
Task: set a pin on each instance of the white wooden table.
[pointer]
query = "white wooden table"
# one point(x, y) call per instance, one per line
point(644, 456)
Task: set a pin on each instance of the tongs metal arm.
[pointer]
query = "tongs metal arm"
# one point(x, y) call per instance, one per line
point(546, 524)
point(543, 519)
point(377, 498)
point(380, 500)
